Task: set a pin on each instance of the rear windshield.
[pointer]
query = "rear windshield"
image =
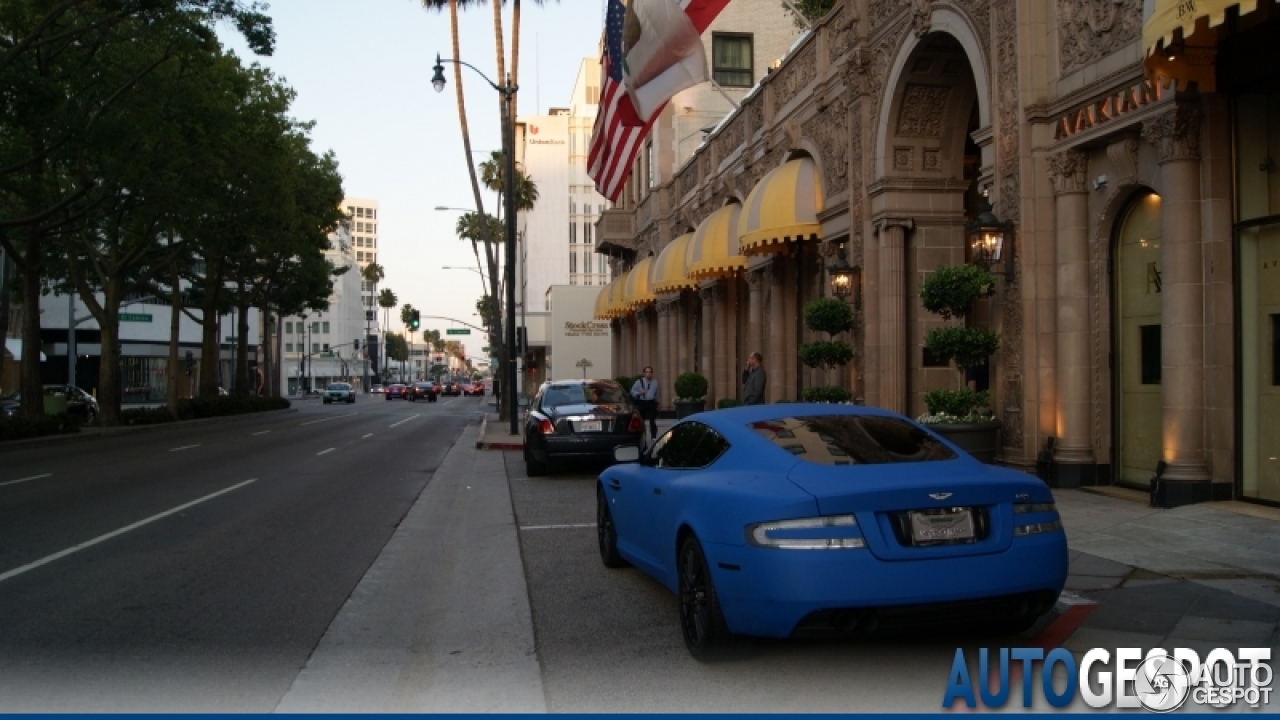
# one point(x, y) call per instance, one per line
point(583, 393)
point(339, 386)
point(852, 440)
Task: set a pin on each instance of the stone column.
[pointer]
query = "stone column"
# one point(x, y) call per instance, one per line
point(755, 314)
point(638, 358)
point(774, 364)
point(894, 358)
point(726, 334)
point(710, 345)
point(684, 338)
point(1074, 372)
point(1176, 135)
point(615, 347)
point(661, 366)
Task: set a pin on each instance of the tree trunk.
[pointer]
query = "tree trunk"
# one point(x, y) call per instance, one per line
point(4, 304)
point(242, 348)
point(210, 352)
point(176, 374)
point(110, 381)
point(31, 383)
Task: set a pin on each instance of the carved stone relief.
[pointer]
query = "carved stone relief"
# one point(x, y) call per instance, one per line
point(1123, 155)
point(931, 159)
point(1175, 132)
point(795, 76)
point(1067, 171)
point(877, 70)
point(882, 10)
point(921, 13)
point(902, 159)
point(732, 136)
point(841, 32)
point(688, 179)
point(704, 163)
point(1091, 29)
point(1008, 152)
point(755, 112)
point(980, 12)
point(855, 174)
point(920, 114)
point(830, 130)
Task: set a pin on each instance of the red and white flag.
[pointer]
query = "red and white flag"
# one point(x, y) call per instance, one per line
point(661, 57)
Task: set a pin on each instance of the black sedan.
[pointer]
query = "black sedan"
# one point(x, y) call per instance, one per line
point(451, 388)
point(578, 420)
point(80, 404)
point(428, 391)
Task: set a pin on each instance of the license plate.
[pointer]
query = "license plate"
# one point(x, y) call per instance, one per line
point(588, 426)
point(927, 528)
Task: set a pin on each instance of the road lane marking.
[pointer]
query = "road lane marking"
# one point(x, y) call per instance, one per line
point(405, 420)
point(184, 447)
point(367, 436)
point(335, 417)
point(557, 527)
point(325, 452)
point(103, 538)
point(25, 479)
point(264, 432)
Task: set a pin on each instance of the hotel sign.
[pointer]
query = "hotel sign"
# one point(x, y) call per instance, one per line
point(1111, 107)
point(586, 329)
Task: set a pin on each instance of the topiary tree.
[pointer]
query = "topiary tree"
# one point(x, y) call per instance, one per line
point(831, 316)
point(950, 291)
point(691, 386)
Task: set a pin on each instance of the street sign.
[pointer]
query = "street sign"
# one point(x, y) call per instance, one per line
point(458, 331)
point(135, 317)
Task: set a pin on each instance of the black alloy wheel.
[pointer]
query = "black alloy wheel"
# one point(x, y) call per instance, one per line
point(606, 533)
point(705, 634)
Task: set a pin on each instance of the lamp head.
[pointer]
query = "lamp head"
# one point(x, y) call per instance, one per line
point(437, 80)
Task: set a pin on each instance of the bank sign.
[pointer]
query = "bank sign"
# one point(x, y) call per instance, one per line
point(1159, 681)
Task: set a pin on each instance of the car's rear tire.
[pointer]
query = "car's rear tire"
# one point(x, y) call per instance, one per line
point(325, 401)
point(351, 400)
point(706, 635)
point(533, 467)
point(607, 533)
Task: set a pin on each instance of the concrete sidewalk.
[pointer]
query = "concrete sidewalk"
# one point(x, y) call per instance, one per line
point(441, 620)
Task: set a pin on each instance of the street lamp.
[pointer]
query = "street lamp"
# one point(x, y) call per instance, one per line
point(846, 279)
point(988, 238)
point(508, 92)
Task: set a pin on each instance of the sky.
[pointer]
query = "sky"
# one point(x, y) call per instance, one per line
point(362, 72)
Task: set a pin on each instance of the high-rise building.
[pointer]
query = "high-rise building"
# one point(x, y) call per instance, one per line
point(321, 346)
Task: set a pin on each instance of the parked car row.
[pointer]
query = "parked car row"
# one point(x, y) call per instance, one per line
point(80, 404)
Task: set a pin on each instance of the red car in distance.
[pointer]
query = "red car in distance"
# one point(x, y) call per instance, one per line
point(396, 392)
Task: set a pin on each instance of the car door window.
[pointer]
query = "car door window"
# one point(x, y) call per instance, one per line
point(687, 446)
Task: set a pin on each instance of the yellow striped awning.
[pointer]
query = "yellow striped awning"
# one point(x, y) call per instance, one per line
point(639, 289)
point(782, 208)
point(713, 252)
point(671, 270)
point(617, 294)
point(1172, 31)
point(602, 303)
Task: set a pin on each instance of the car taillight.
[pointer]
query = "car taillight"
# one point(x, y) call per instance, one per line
point(636, 424)
point(546, 428)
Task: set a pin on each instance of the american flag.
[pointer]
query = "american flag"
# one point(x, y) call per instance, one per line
point(618, 131)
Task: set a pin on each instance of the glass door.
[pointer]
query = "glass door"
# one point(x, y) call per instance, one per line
point(1137, 365)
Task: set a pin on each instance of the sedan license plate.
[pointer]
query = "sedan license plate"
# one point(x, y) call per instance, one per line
point(588, 426)
point(931, 528)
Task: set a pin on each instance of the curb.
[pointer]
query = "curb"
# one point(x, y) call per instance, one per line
point(482, 445)
point(106, 433)
point(484, 424)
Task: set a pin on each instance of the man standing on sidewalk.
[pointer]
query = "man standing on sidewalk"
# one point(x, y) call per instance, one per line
point(645, 391)
point(753, 380)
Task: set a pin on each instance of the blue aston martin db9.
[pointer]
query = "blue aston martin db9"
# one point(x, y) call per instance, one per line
point(771, 519)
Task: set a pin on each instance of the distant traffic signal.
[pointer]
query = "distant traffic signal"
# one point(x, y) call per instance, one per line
point(416, 321)
point(355, 345)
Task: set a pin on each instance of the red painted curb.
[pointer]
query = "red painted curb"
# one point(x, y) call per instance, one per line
point(1063, 627)
point(502, 446)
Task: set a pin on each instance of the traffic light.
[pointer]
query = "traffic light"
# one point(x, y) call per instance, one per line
point(355, 345)
point(416, 321)
point(522, 345)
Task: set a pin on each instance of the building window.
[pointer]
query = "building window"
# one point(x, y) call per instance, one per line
point(315, 327)
point(1150, 354)
point(573, 233)
point(731, 59)
point(573, 262)
point(288, 347)
point(315, 347)
point(288, 328)
point(586, 232)
point(326, 347)
point(326, 328)
point(648, 164)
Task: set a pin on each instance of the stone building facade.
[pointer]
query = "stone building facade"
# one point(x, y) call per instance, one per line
point(1138, 312)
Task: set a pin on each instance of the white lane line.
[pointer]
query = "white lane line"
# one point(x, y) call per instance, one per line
point(366, 436)
point(102, 538)
point(557, 527)
point(25, 479)
point(335, 417)
point(405, 420)
point(184, 447)
point(326, 452)
point(264, 432)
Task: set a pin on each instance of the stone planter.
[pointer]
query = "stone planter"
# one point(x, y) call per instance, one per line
point(981, 440)
point(685, 408)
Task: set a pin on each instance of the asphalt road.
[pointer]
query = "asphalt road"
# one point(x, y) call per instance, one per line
point(609, 640)
point(196, 568)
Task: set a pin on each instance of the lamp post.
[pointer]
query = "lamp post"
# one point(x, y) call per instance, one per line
point(508, 92)
point(846, 279)
point(991, 240)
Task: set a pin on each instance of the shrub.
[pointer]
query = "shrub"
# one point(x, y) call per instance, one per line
point(828, 315)
point(626, 381)
point(19, 428)
point(827, 394)
point(950, 290)
point(691, 386)
point(146, 416)
point(825, 353)
point(206, 407)
point(955, 406)
point(967, 346)
point(727, 403)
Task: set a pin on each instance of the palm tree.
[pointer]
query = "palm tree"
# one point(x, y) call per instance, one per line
point(372, 274)
point(386, 300)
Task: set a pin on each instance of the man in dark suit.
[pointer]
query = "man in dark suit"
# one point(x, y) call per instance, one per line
point(753, 380)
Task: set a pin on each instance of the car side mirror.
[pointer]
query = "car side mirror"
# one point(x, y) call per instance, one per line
point(626, 454)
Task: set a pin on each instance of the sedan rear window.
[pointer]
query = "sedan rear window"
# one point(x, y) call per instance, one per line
point(852, 440)
point(582, 393)
point(339, 386)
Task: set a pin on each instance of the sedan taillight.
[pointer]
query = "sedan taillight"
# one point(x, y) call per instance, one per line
point(546, 428)
point(636, 424)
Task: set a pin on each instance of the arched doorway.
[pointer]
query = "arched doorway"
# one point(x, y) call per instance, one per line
point(1136, 364)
